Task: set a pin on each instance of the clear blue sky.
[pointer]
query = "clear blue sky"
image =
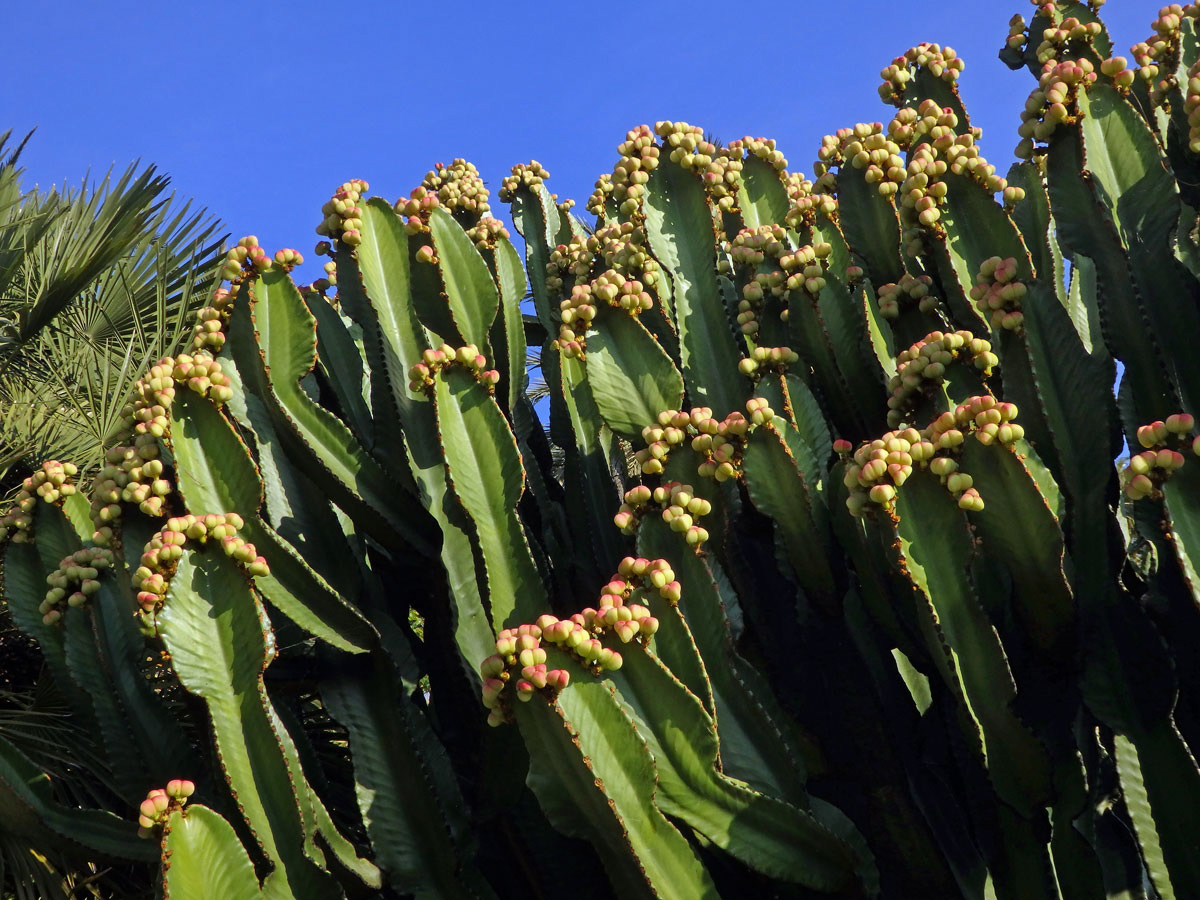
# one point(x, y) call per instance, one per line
point(258, 110)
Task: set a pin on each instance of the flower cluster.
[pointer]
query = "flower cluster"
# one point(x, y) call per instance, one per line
point(51, 482)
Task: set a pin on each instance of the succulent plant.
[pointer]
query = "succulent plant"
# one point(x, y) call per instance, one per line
point(789, 600)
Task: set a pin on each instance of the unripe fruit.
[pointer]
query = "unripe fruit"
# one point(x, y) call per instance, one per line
point(882, 493)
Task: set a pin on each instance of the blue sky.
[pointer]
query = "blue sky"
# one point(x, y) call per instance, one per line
point(259, 110)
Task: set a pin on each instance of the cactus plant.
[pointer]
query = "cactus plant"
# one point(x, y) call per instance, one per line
point(822, 581)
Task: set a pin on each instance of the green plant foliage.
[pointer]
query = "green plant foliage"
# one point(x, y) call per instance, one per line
point(822, 580)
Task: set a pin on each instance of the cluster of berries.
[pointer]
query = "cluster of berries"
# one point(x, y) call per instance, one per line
point(879, 467)
point(940, 62)
point(74, 581)
point(209, 333)
point(628, 280)
point(421, 376)
point(892, 298)
point(458, 189)
point(763, 360)
point(133, 472)
point(1053, 102)
point(343, 213)
point(924, 191)
point(807, 202)
point(519, 665)
point(160, 802)
point(1191, 106)
point(246, 258)
point(524, 175)
point(625, 187)
point(680, 509)
point(866, 148)
point(921, 369)
point(1160, 53)
point(998, 294)
point(51, 482)
point(1068, 35)
point(162, 553)
point(1162, 442)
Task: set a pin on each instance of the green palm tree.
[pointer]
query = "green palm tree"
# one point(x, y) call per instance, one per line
point(96, 283)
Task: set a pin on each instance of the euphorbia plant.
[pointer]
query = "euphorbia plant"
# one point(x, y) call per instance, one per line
point(838, 591)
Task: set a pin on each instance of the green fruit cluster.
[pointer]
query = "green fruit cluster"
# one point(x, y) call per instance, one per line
point(209, 333)
point(1053, 102)
point(519, 663)
point(879, 467)
point(343, 213)
point(941, 62)
point(421, 376)
point(612, 266)
point(160, 803)
point(719, 443)
point(924, 192)
point(998, 294)
point(764, 360)
point(51, 482)
point(867, 148)
point(1069, 34)
point(1163, 441)
point(132, 471)
point(162, 553)
point(246, 258)
point(1159, 54)
point(1191, 106)
point(922, 368)
point(458, 189)
point(74, 581)
point(680, 509)
point(626, 185)
point(526, 175)
point(893, 298)
point(1016, 39)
